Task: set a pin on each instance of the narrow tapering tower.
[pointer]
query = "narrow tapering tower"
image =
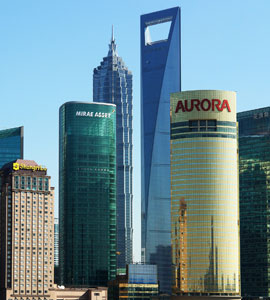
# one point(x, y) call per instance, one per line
point(112, 83)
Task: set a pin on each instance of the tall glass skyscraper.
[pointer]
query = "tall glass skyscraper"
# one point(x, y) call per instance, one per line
point(254, 164)
point(112, 83)
point(11, 145)
point(160, 76)
point(87, 193)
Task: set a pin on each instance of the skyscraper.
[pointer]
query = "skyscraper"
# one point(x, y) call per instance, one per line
point(112, 83)
point(254, 166)
point(160, 76)
point(11, 145)
point(204, 199)
point(87, 193)
point(26, 231)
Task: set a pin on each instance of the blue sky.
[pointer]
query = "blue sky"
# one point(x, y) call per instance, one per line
point(49, 48)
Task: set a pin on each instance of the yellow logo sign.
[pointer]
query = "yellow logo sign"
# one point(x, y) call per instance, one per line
point(17, 166)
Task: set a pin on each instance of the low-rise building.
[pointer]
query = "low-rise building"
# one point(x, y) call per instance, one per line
point(139, 282)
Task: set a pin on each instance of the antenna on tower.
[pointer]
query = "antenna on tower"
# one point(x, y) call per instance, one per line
point(112, 39)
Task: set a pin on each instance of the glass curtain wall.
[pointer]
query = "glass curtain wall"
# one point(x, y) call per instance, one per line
point(87, 193)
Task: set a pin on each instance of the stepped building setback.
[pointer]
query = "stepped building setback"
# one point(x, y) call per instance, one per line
point(204, 194)
point(112, 83)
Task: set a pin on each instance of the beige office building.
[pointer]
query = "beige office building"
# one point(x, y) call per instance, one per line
point(27, 232)
point(204, 194)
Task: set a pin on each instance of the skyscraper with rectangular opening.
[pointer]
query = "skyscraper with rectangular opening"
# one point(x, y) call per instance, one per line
point(160, 76)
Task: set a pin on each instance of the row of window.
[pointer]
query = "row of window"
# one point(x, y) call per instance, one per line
point(31, 183)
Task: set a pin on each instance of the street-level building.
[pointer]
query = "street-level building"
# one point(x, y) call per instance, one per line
point(26, 231)
point(254, 179)
point(204, 194)
point(139, 282)
point(87, 194)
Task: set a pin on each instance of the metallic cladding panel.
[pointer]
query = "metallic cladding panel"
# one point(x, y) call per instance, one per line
point(204, 193)
point(160, 76)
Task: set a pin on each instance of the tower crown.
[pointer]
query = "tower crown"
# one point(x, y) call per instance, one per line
point(112, 45)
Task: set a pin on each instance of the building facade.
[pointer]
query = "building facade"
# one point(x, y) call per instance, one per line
point(56, 251)
point(56, 242)
point(139, 282)
point(87, 193)
point(112, 83)
point(26, 231)
point(254, 166)
point(204, 194)
point(11, 145)
point(160, 76)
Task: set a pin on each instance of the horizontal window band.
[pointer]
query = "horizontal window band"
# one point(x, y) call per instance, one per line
point(199, 195)
point(206, 158)
point(186, 123)
point(200, 163)
point(224, 177)
point(201, 148)
point(204, 141)
point(190, 154)
point(203, 202)
point(196, 129)
point(210, 135)
point(198, 174)
point(175, 208)
point(205, 183)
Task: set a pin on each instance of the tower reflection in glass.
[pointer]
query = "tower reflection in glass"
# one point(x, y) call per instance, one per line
point(204, 193)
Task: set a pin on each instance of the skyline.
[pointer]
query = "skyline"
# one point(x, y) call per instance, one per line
point(49, 50)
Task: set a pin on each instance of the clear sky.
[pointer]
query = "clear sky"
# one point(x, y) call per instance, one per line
point(48, 50)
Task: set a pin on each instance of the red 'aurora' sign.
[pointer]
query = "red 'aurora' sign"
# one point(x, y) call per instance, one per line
point(202, 105)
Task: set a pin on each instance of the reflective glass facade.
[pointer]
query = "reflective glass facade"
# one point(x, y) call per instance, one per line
point(112, 83)
point(87, 193)
point(140, 282)
point(204, 193)
point(11, 145)
point(160, 75)
point(254, 163)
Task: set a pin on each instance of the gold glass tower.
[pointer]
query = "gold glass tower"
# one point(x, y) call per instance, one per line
point(204, 194)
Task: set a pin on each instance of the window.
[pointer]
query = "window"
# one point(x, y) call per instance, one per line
point(203, 125)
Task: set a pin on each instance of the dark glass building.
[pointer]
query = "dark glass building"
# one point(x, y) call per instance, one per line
point(112, 83)
point(87, 193)
point(254, 164)
point(11, 145)
point(160, 76)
